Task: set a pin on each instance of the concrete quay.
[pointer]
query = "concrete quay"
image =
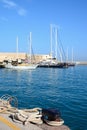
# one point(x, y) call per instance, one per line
point(6, 123)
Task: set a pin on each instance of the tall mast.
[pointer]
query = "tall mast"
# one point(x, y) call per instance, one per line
point(67, 55)
point(61, 55)
point(17, 47)
point(72, 55)
point(51, 38)
point(30, 45)
point(56, 33)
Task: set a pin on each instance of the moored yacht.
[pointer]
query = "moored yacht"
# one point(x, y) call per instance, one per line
point(21, 66)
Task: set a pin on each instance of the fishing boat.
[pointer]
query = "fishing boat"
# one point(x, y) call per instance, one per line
point(21, 66)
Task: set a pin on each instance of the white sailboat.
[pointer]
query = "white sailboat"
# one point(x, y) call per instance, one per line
point(23, 66)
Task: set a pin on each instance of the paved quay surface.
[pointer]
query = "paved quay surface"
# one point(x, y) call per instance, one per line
point(6, 123)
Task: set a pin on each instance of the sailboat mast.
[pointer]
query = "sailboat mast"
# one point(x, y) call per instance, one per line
point(17, 47)
point(61, 55)
point(72, 55)
point(51, 38)
point(67, 55)
point(56, 31)
point(30, 45)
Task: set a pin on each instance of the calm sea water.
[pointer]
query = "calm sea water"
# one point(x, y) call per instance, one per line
point(64, 89)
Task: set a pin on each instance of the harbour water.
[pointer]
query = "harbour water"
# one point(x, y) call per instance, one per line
point(63, 89)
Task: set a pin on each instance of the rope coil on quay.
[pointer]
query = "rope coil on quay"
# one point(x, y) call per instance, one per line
point(35, 115)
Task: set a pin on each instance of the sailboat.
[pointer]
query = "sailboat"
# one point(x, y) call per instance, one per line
point(52, 62)
point(22, 66)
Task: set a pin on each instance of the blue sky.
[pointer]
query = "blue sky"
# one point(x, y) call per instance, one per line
point(19, 17)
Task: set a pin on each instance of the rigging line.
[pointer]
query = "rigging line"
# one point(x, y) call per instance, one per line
point(33, 53)
point(62, 47)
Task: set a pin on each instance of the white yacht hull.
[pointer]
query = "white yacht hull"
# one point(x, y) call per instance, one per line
point(21, 67)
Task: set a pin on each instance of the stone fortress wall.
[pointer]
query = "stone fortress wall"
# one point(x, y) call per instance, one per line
point(14, 56)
